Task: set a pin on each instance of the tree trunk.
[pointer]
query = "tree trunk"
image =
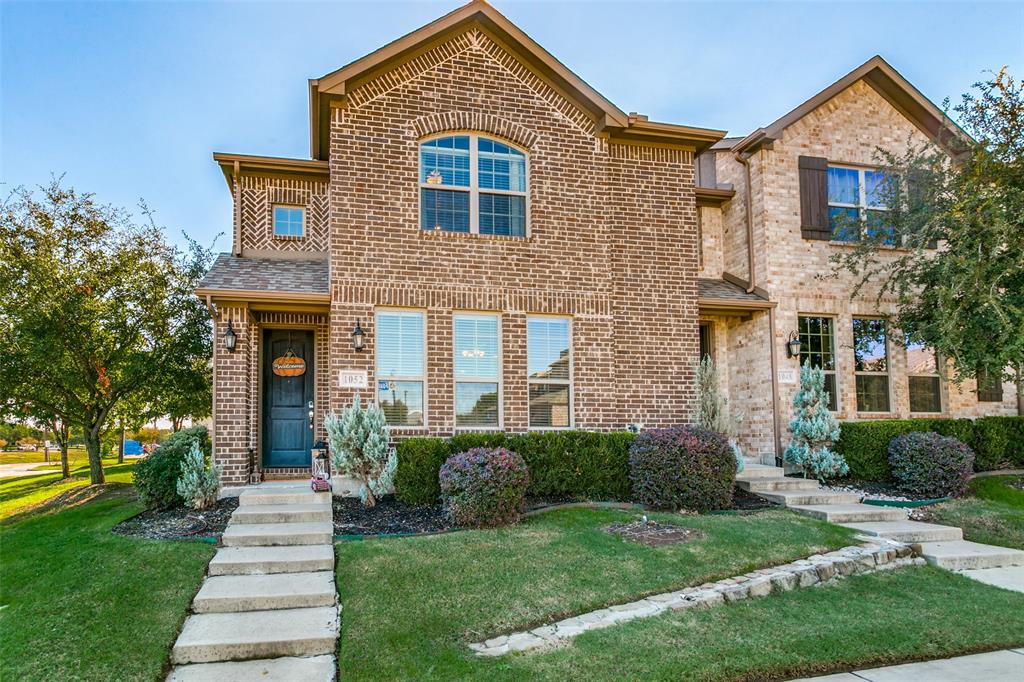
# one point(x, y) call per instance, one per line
point(120, 448)
point(1020, 390)
point(63, 436)
point(92, 446)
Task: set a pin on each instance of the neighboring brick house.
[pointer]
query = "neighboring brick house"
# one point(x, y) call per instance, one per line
point(806, 169)
point(482, 241)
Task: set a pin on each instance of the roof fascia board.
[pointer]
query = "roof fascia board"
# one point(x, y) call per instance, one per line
point(253, 295)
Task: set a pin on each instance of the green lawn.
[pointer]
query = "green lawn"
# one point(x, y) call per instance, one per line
point(76, 457)
point(25, 493)
point(411, 605)
point(993, 513)
point(80, 603)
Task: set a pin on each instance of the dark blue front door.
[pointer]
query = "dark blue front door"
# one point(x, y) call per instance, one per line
point(287, 436)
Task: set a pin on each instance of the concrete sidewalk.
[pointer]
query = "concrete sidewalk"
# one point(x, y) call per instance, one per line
point(996, 666)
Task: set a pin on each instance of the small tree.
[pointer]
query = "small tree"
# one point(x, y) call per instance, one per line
point(713, 407)
point(198, 484)
point(359, 448)
point(814, 429)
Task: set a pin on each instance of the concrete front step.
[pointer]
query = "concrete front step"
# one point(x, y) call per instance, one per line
point(236, 593)
point(765, 485)
point(850, 513)
point(285, 494)
point(287, 669)
point(958, 555)
point(277, 534)
point(805, 497)
point(282, 513)
point(263, 560)
point(907, 531)
point(752, 471)
point(210, 637)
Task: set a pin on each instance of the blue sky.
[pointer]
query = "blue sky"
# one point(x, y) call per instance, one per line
point(129, 99)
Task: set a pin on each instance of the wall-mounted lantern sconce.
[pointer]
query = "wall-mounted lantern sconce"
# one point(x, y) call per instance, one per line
point(358, 337)
point(230, 338)
point(793, 346)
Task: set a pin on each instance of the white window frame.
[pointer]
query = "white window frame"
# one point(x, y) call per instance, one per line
point(862, 206)
point(570, 382)
point(273, 220)
point(935, 375)
point(464, 380)
point(835, 356)
point(474, 189)
point(376, 367)
point(888, 366)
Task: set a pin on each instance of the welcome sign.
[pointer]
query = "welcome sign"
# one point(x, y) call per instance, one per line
point(289, 366)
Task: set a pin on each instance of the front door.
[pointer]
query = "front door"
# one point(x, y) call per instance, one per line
point(287, 392)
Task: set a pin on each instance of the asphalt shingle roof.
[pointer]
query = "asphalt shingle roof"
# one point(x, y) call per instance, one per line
point(266, 274)
point(720, 289)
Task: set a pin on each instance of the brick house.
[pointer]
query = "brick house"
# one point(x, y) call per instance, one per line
point(482, 241)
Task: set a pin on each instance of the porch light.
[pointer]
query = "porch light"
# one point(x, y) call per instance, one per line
point(230, 338)
point(793, 345)
point(358, 337)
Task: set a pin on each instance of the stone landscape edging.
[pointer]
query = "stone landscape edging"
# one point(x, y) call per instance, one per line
point(878, 554)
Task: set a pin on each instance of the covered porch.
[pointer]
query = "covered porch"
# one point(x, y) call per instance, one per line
point(270, 365)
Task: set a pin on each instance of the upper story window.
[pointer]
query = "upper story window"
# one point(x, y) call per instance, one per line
point(818, 346)
point(473, 184)
point(871, 364)
point(289, 221)
point(856, 206)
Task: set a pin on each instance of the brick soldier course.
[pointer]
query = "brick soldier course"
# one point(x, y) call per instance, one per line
point(623, 239)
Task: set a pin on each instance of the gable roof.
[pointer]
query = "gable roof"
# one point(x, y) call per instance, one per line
point(888, 83)
point(334, 86)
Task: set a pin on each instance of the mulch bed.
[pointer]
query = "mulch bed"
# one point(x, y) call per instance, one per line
point(180, 523)
point(747, 501)
point(388, 516)
point(654, 534)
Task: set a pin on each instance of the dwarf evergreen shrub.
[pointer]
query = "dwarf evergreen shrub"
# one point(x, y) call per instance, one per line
point(360, 449)
point(197, 485)
point(930, 465)
point(814, 429)
point(683, 467)
point(484, 487)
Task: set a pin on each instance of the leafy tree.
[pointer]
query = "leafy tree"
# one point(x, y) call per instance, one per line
point(814, 429)
point(96, 308)
point(359, 447)
point(965, 195)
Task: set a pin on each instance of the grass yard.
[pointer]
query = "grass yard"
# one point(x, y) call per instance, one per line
point(23, 494)
point(80, 603)
point(993, 513)
point(412, 604)
point(76, 457)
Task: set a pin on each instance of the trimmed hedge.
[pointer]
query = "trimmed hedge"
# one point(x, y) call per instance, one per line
point(996, 441)
point(930, 465)
point(583, 464)
point(683, 467)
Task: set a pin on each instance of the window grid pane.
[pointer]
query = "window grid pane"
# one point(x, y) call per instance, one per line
point(401, 402)
point(549, 405)
point(547, 348)
point(288, 221)
point(817, 346)
point(445, 161)
point(501, 166)
point(443, 209)
point(476, 404)
point(925, 394)
point(400, 344)
point(502, 214)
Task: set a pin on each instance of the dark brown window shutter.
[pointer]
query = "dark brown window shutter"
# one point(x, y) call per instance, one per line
point(814, 198)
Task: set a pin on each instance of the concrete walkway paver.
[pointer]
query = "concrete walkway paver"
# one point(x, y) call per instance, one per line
point(1006, 577)
point(995, 666)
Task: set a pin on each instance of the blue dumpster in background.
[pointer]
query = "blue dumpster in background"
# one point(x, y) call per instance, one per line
point(132, 447)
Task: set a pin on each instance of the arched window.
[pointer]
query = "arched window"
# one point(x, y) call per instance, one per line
point(473, 184)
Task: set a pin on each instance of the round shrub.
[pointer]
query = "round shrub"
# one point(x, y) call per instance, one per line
point(683, 467)
point(484, 487)
point(156, 476)
point(930, 465)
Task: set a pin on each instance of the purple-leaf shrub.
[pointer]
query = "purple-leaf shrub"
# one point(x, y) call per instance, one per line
point(484, 487)
point(930, 465)
point(682, 467)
